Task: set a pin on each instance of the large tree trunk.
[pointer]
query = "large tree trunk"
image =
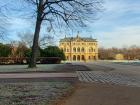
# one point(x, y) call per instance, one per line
point(35, 47)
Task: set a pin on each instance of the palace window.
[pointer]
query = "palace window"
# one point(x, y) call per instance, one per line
point(67, 50)
point(90, 49)
point(74, 49)
point(78, 57)
point(83, 57)
point(67, 57)
point(82, 50)
point(95, 44)
point(74, 57)
point(94, 57)
point(89, 58)
point(78, 49)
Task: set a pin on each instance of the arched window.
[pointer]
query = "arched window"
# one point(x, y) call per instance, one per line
point(74, 57)
point(90, 49)
point(74, 49)
point(78, 57)
point(89, 57)
point(83, 57)
point(67, 57)
point(78, 49)
point(82, 50)
point(94, 57)
point(67, 50)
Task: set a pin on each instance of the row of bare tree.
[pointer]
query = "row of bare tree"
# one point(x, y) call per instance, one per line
point(129, 53)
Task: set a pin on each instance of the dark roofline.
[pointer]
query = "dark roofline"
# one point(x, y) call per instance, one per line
point(88, 39)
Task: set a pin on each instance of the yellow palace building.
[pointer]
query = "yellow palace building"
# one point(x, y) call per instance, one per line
point(79, 48)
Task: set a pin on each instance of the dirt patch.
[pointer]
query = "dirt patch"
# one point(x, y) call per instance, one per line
point(103, 94)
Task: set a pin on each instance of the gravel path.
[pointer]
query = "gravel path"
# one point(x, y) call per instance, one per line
point(38, 75)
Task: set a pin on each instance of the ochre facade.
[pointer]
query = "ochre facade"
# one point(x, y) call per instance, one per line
point(79, 48)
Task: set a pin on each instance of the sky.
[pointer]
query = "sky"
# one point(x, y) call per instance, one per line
point(117, 26)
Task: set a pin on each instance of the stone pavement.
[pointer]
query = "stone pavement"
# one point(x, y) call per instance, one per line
point(107, 72)
point(112, 78)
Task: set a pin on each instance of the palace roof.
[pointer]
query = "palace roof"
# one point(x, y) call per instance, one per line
point(85, 39)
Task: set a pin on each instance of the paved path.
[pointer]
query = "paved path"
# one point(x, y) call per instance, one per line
point(103, 94)
point(38, 75)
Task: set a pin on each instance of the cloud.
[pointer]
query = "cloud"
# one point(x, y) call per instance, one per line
point(121, 6)
point(119, 12)
point(19, 24)
point(119, 24)
point(122, 36)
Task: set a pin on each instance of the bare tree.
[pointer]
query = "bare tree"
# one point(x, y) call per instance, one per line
point(64, 12)
point(26, 37)
point(129, 53)
point(44, 41)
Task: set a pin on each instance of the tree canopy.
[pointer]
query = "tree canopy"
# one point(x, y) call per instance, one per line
point(52, 51)
point(5, 50)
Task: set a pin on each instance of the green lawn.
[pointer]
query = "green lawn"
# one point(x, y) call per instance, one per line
point(33, 93)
